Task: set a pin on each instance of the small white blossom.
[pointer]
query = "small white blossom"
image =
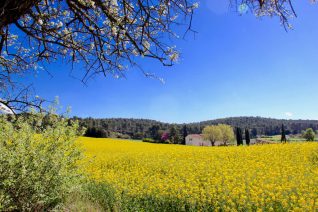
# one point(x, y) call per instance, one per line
point(92, 46)
point(174, 57)
point(114, 31)
point(146, 45)
point(195, 5)
point(135, 52)
point(114, 3)
point(66, 13)
point(59, 24)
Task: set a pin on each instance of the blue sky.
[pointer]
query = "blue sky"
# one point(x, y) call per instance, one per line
point(235, 66)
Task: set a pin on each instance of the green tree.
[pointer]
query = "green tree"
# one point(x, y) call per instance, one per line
point(239, 136)
point(184, 134)
point(154, 132)
point(247, 137)
point(283, 136)
point(254, 133)
point(227, 134)
point(174, 136)
point(309, 134)
point(212, 133)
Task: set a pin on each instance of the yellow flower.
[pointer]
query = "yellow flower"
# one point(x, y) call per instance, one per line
point(227, 178)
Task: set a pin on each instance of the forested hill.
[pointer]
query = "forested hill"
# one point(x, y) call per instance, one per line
point(141, 128)
point(265, 126)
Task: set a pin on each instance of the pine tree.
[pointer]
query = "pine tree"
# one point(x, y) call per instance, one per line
point(254, 132)
point(154, 132)
point(283, 138)
point(174, 135)
point(247, 137)
point(184, 134)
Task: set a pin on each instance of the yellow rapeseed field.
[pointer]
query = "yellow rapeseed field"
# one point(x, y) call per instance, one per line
point(265, 177)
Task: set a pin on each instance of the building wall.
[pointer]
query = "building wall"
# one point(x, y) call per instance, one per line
point(196, 141)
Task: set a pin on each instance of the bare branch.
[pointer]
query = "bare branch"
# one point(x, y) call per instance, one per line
point(99, 36)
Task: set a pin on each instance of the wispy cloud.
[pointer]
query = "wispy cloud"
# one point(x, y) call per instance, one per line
point(289, 114)
point(5, 109)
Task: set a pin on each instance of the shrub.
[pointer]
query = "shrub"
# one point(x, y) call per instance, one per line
point(149, 140)
point(309, 134)
point(38, 164)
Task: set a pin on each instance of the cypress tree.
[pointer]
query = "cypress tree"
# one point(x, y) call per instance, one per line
point(184, 134)
point(247, 137)
point(239, 137)
point(283, 138)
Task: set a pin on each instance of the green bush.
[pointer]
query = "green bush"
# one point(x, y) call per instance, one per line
point(309, 134)
point(38, 164)
point(149, 140)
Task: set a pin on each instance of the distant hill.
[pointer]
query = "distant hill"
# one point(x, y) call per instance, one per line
point(140, 128)
point(266, 126)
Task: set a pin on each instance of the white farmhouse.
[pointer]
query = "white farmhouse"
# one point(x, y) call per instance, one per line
point(196, 140)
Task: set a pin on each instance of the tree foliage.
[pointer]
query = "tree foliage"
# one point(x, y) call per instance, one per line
point(139, 128)
point(247, 137)
point(283, 136)
point(37, 171)
point(212, 133)
point(309, 134)
point(227, 134)
point(263, 126)
point(174, 136)
point(100, 36)
point(239, 136)
point(184, 134)
point(154, 132)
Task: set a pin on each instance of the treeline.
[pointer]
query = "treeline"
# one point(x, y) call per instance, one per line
point(121, 128)
point(143, 128)
point(139, 129)
point(265, 126)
